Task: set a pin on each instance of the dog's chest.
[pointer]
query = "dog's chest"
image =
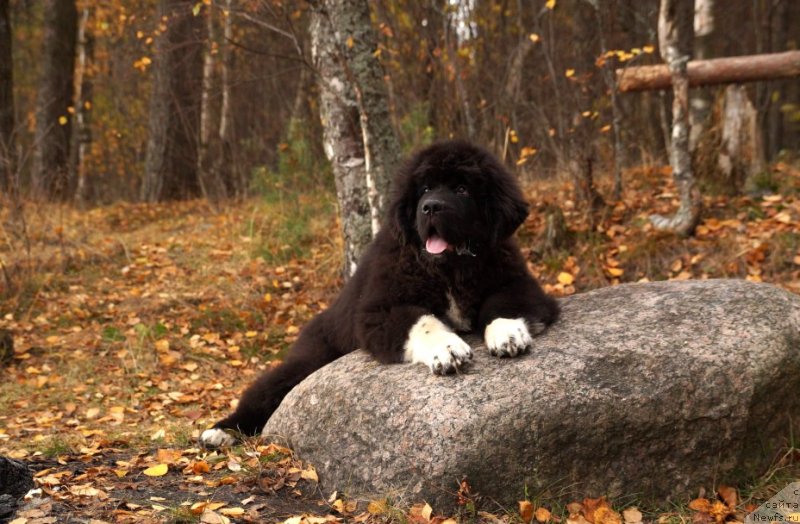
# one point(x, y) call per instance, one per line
point(457, 317)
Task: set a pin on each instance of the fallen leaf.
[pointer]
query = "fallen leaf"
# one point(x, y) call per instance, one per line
point(728, 496)
point(156, 471)
point(309, 474)
point(632, 516)
point(565, 278)
point(542, 515)
point(526, 509)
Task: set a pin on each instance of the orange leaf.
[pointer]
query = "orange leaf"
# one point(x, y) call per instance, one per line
point(590, 506)
point(702, 505)
point(605, 515)
point(728, 496)
point(542, 515)
point(525, 510)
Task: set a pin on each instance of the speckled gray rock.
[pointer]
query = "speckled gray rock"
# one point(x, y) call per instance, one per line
point(649, 389)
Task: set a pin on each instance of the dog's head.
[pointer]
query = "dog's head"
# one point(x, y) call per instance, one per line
point(454, 199)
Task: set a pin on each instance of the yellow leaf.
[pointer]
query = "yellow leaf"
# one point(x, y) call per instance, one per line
point(615, 271)
point(605, 129)
point(569, 73)
point(427, 510)
point(232, 512)
point(156, 471)
point(350, 43)
point(632, 516)
point(648, 49)
point(377, 507)
point(565, 278)
point(309, 474)
point(550, 4)
point(62, 120)
point(542, 515)
point(533, 37)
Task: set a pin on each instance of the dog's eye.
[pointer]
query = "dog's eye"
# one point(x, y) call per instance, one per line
point(462, 190)
point(425, 189)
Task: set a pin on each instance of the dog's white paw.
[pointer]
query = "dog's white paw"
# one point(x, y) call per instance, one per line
point(432, 343)
point(216, 438)
point(509, 337)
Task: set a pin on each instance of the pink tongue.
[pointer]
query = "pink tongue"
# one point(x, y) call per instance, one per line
point(435, 245)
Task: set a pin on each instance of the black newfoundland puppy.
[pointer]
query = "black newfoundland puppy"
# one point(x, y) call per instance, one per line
point(444, 263)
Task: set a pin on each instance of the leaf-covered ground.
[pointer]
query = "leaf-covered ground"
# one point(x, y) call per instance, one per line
point(136, 326)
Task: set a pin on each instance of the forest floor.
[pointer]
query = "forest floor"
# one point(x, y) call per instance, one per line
point(135, 327)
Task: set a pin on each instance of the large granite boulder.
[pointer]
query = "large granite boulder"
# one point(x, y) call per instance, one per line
point(649, 389)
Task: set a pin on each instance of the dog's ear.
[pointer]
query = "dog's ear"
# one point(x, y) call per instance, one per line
point(506, 206)
point(402, 210)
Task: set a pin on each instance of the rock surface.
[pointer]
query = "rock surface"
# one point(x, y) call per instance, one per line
point(648, 389)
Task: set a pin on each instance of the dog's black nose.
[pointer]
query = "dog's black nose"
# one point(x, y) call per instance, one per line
point(431, 206)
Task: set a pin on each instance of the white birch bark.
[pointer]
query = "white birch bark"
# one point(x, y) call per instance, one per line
point(342, 140)
point(350, 19)
point(675, 36)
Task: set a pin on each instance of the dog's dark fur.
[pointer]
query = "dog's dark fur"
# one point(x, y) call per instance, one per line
point(452, 190)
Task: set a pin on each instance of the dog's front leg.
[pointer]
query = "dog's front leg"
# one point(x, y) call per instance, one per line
point(412, 334)
point(513, 315)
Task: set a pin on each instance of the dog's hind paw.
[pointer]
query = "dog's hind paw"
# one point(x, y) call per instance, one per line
point(216, 438)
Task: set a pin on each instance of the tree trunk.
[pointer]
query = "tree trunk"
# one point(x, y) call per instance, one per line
point(701, 99)
point(777, 91)
point(675, 37)
point(82, 136)
point(174, 128)
point(342, 137)
point(616, 109)
point(7, 163)
point(51, 170)
point(741, 153)
point(227, 167)
point(358, 43)
point(210, 183)
point(735, 69)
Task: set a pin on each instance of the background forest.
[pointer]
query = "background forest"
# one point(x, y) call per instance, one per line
point(85, 104)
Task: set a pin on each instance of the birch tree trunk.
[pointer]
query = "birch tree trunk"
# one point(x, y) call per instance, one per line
point(210, 183)
point(6, 102)
point(174, 125)
point(51, 172)
point(675, 37)
point(350, 19)
point(342, 138)
point(701, 99)
point(82, 137)
point(227, 167)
